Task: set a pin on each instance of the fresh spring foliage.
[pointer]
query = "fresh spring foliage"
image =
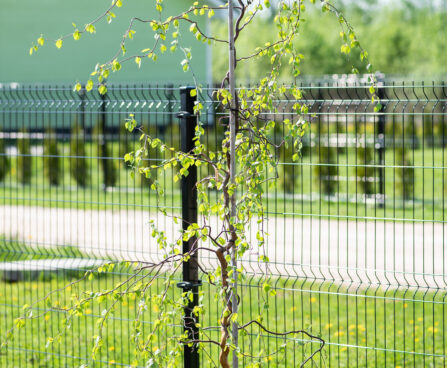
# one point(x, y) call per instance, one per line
point(242, 164)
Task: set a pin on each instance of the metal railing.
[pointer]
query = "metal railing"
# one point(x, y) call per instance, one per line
point(357, 227)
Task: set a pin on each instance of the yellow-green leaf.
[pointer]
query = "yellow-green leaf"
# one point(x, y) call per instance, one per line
point(76, 35)
point(102, 89)
point(89, 85)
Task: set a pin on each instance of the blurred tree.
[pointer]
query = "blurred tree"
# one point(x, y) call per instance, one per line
point(428, 123)
point(24, 160)
point(365, 171)
point(289, 170)
point(402, 38)
point(51, 161)
point(326, 170)
point(5, 164)
point(106, 160)
point(78, 163)
point(404, 170)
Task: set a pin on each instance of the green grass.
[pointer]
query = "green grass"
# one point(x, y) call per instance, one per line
point(362, 327)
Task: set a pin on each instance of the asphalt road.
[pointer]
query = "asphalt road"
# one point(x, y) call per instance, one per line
point(366, 252)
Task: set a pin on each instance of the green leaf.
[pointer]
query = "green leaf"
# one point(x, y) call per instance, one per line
point(89, 85)
point(266, 287)
point(102, 89)
point(76, 35)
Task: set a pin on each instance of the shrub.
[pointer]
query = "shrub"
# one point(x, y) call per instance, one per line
point(441, 131)
point(404, 134)
point(365, 157)
point(78, 163)
point(427, 122)
point(107, 163)
point(326, 171)
point(404, 175)
point(288, 169)
point(24, 161)
point(51, 159)
point(5, 164)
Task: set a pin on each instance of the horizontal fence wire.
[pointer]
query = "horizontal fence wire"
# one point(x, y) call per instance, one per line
point(356, 227)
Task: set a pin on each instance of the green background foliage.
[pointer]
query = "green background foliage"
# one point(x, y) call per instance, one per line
point(401, 39)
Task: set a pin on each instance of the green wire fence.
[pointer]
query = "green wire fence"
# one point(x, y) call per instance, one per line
point(357, 227)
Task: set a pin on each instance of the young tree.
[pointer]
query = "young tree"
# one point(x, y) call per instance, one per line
point(242, 164)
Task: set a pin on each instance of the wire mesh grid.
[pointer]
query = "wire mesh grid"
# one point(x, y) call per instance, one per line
point(356, 226)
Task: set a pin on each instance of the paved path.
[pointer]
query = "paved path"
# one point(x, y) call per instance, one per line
point(407, 254)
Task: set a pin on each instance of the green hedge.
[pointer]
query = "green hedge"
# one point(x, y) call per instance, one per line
point(52, 160)
point(24, 160)
point(78, 163)
point(5, 164)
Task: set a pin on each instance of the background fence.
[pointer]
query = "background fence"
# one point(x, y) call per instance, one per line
point(357, 227)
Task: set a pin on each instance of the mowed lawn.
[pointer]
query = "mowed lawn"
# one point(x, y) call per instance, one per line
point(363, 326)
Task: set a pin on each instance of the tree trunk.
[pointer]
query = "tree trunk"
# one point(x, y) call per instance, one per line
point(233, 117)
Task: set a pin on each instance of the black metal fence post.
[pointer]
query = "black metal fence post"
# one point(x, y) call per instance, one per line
point(381, 141)
point(188, 123)
point(101, 131)
point(82, 97)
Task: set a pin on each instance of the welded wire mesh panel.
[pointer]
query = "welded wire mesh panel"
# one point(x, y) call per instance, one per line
point(356, 226)
point(69, 202)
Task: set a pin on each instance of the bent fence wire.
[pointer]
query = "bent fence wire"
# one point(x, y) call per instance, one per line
point(357, 227)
